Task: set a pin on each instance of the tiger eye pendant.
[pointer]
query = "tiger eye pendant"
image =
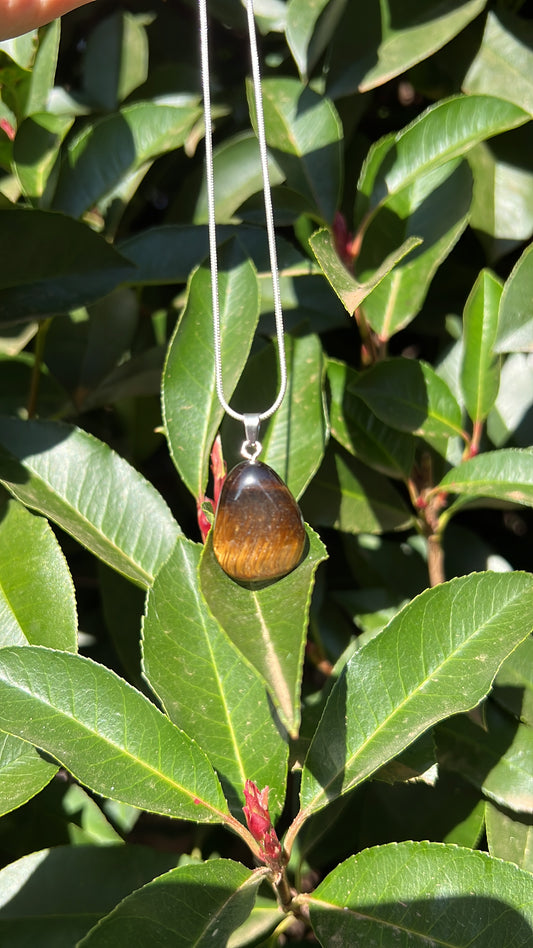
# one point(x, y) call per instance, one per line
point(259, 532)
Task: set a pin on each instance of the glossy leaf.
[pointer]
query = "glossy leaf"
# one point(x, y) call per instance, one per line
point(504, 62)
point(200, 904)
point(21, 49)
point(361, 432)
point(294, 438)
point(44, 69)
point(495, 755)
point(392, 36)
point(456, 636)
point(513, 686)
point(81, 714)
point(501, 475)
point(116, 59)
point(515, 328)
point(303, 132)
point(169, 253)
point(349, 496)
point(310, 26)
point(502, 205)
point(509, 836)
point(191, 410)
point(267, 625)
point(112, 149)
point(51, 263)
point(36, 149)
point(42, 901)
point(409, 395)
point(480, 374)
point(443, 132)
point(232, 190)
point(91, 492)
point(31, 560)
point(434, 209)
point(206, 687)
point(350, 292)
point(508, 421)
point(24, 772)
point(417, 893)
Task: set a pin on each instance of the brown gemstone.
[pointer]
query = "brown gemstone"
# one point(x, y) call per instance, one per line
point(259, 533)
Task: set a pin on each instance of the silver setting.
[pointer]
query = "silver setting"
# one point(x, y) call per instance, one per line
point(252, 447)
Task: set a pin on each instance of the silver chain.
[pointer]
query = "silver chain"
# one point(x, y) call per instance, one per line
point(251, 422)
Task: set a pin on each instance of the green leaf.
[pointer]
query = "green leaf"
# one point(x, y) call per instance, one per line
point(349, 496)
point(515, 327)
point(501, 475)
point(205, 686)
point(87, 822)
point(81, 713)
point(123, 609)
point(294, 438)
point(107, 153)
point(443, 132)
point(50, 264)
point(509, 419)
point(503, 65)
point(513, 687)
point(480, 373)
point(191, 410)
point(360, 432)
point(43, 901)
point(267, 625)
point(502, 205)
point(434, 210)
point(409, 395)
point(24, 772)
point(115, 60)
point(304, 132)
point(392, 36)
point(169, 253)
point(414, 893)
point(350, 292)
point(509, 836)
point(36, 148)
point(495, 755)
point(91, 492)
point(37, 600)
point(310, 26)
point(21, 49)
point(44, 69)
point(200, 904)
point(231, 190)
point(456, 636)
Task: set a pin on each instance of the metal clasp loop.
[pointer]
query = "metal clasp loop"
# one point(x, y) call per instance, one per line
point(252, 447)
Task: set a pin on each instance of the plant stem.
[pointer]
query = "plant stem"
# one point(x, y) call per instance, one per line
point(435, 560)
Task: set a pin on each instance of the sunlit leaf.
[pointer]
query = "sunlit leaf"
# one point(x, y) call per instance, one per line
point(416, 893)
point(455, 635)
point(81, 714)
point(206, 687)
point(267, 625)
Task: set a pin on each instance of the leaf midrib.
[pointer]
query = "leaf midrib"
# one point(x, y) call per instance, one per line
point(410, 697)
point(106, 741)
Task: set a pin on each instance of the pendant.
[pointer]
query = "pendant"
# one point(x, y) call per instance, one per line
point(259, 532)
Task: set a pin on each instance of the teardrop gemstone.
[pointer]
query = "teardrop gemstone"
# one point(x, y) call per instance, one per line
point(259, 532)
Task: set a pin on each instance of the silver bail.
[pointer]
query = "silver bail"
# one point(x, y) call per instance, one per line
point(252, 447)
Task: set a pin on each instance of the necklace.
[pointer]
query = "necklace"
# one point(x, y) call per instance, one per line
point(259, 533)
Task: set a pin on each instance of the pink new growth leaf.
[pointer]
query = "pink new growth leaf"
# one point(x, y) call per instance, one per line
point(260, 826)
